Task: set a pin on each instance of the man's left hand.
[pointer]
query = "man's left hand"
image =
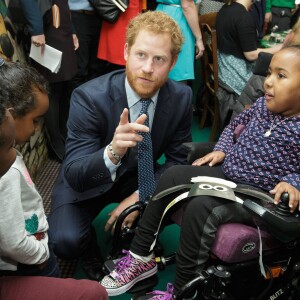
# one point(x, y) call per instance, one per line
point(132, 199)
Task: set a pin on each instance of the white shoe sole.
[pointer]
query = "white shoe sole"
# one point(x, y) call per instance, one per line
point(123, 289)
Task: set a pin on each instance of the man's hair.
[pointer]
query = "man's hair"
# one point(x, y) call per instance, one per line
point(155, 22)
point(18, 83)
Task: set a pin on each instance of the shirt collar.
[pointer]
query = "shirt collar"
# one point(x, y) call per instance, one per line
point(133, 97)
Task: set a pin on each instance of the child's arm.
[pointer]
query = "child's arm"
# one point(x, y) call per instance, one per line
point(15, 242)
point(294, 194)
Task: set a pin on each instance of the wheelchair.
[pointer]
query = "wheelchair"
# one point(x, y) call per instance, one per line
point(246, 263)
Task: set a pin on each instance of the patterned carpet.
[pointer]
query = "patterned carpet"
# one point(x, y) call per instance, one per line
point(44, 184)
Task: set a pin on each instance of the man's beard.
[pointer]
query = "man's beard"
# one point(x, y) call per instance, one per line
point(145, 91)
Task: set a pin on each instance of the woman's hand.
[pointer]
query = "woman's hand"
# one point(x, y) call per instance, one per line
point(294, 194)
point(211, 159)
point(38, 40)
point(199, 48)
point(268, 17)
point(75, 42)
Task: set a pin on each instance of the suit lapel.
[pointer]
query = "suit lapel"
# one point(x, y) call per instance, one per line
point(162, 109)
point(118, 97)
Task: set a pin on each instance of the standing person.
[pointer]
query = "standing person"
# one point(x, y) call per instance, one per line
point(279, 13)
point(24, 243)
point(36, 287)
point(55, 30)
point(265, 155)
point(87, 27)
point(184, 12)
point(112, 37)
point(104, 129)
point(237, 44)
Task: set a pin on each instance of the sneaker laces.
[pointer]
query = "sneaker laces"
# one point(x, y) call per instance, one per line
point(124, 262)
point(167, 295)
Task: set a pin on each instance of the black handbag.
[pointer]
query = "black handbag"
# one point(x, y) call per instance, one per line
point(109, 10)
point(16, 14)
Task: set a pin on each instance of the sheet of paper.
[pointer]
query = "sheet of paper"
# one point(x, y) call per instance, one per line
point(49, 57)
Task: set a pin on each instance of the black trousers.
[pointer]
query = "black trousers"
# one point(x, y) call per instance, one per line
point(70, 225)
point(281, 16)
point(88, 29)
point(202, 216)
point(57, 116)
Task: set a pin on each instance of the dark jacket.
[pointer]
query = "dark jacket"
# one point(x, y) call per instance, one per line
point(95, 112)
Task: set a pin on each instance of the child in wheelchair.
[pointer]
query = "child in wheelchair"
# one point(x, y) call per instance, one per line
point(265, 155)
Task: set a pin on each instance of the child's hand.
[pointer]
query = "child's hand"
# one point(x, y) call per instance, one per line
point(211, 158)
point(294, 194)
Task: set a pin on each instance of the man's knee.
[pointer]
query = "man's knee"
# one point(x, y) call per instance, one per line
point(66, 236)
point(66, 244)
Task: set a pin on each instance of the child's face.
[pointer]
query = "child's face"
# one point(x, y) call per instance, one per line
point(7, 151)
point(28, 124)
point(282, 84)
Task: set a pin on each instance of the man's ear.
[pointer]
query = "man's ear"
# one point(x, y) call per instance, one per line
point(126, 51)
point(174, 61)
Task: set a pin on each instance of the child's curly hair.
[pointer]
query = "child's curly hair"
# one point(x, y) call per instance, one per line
point(18, 85)
point(2, 117)
point(156, 22)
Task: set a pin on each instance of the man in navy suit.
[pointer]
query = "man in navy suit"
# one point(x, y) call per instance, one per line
point(100, 166)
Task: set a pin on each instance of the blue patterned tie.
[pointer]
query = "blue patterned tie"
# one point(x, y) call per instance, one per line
point(145, 159)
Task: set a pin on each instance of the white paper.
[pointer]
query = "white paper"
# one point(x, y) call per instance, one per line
point(48, 57)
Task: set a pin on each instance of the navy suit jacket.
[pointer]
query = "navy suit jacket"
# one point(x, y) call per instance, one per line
point(95, 112)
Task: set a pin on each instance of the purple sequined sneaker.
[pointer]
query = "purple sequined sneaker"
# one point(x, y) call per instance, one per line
point(159, 295)
point(127, 272)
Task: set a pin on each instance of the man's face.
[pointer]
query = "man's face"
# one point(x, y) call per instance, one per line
point(7, 150)
point(28, 124)
point(148, 62)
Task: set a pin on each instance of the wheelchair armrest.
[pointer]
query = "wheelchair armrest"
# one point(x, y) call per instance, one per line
point(197, 149)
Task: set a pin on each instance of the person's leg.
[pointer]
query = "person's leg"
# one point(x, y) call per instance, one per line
point(177, 175)
point(139, 262)
point(64, 107)
point(88, 29)
point(71, 230)
point(276, 11)
point(52, 119)
point(73, 235)
point(201, 219)
point(285, 19)
point(28, 288)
